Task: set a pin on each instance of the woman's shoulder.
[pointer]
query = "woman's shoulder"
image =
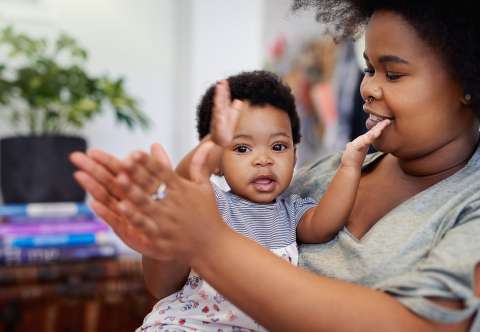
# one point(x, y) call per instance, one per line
point(312, 180)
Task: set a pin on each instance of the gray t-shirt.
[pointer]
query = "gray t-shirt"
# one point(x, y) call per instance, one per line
point(427, 246)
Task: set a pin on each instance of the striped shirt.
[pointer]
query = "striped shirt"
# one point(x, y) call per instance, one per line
point(271, 225)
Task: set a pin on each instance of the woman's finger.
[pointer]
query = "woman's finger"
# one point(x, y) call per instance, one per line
point(128, 233)
point(109, 162)
point(134, 164)
point(135, 216)
point(96, 171)
point(95, 189)
point(160, 158)
point(132, 191)
point(106, 214)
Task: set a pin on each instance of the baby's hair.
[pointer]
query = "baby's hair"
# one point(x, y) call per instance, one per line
point(259, 88)
point(450, 28)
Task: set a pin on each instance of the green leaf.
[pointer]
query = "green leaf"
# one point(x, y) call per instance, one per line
point(58, 94)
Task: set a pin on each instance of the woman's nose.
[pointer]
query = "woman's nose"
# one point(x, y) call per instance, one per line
point(370, 90)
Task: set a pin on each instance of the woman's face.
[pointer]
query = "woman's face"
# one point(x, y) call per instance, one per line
point(411, 85)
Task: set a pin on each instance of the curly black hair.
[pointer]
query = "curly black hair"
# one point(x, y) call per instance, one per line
point(450, 28)
point(259, 88)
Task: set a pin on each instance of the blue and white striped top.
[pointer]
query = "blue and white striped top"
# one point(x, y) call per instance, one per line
point(271, 225)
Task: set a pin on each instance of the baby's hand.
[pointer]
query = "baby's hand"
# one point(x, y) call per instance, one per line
point(224, 115)
point(355, 152)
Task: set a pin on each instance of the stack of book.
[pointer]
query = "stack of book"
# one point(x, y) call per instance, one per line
point(39, 233)
point(63, 269)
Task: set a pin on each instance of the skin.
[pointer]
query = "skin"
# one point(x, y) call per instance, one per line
point(258, 163)
point(423, 148)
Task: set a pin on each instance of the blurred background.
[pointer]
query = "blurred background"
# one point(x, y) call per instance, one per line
point(119, 75)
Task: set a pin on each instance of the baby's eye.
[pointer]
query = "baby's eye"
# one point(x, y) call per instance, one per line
point(279, 147)
point(241, 148)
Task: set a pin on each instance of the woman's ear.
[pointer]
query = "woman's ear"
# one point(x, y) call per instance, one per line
point(218, 171)
point(466, 99)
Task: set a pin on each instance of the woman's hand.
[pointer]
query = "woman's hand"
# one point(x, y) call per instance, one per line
point(185, 221)
point(98, 175)
point(167, 229)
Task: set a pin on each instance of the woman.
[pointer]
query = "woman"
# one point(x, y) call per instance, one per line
point(408, 259)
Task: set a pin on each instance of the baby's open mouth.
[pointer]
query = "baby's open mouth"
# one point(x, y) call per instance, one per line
point(264, 183)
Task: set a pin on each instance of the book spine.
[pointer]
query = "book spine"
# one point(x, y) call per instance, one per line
point(68, 226)
point(19, 256)
point(57, 240)
point(17, 272)
point(105, 288)
point(60, 209)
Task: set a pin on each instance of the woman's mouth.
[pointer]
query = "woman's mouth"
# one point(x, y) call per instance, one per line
point(374, 119)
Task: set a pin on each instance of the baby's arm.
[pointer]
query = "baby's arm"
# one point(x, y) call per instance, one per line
point(322, 222)
point(222, 126)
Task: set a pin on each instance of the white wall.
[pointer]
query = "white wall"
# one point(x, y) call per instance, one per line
point(134, 39)
point(217, 38)
point(170, 51)
point(129, 38)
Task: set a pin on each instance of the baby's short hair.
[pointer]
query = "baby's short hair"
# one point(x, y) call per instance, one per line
point(259, 88)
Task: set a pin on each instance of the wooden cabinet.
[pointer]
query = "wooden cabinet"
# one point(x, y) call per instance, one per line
point(101, 295)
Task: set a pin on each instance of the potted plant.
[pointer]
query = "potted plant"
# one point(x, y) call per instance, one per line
point(46, 94)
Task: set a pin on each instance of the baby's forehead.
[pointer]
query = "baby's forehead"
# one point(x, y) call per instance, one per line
point(263, 121)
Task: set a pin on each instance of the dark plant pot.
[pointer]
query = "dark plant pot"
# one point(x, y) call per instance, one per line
point(37, 169)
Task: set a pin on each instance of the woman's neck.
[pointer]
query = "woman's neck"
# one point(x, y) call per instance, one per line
point(444, 161)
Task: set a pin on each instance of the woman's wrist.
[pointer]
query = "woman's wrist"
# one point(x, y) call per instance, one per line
point(204, 253)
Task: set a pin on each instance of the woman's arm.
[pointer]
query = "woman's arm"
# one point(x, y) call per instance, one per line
point(278, 295)
point(285, 298)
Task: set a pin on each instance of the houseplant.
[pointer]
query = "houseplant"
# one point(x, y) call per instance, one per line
point(46, 94)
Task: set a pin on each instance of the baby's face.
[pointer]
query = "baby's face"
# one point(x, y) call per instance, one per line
point(259, 163)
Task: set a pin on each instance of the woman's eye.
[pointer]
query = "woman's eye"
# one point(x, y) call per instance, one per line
point(368, 71)
point(241, 148)
point(391, 76)
point(279, 147)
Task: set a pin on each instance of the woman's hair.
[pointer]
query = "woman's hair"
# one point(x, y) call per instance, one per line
point(259, 88)
point(450, 28)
